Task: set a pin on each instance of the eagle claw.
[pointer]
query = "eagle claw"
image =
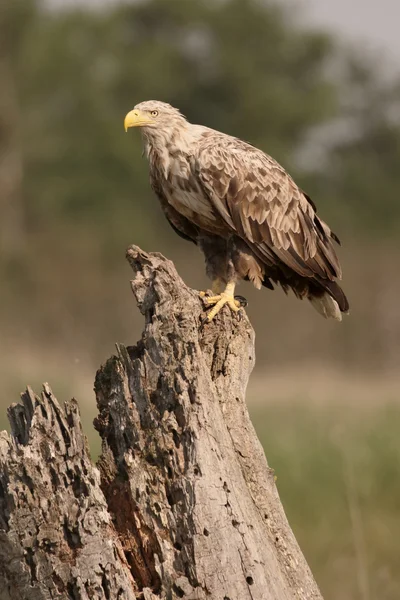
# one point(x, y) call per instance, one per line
point(203, 322)
point(242, 301)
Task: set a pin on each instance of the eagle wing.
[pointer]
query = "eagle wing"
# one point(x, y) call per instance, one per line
point(179, 223)
point(262, 204)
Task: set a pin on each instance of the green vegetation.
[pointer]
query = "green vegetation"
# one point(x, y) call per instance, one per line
point(338, 473)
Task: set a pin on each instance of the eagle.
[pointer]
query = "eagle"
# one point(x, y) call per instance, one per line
point(241, 208)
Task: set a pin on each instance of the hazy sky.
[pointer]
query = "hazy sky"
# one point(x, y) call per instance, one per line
point(375, 22)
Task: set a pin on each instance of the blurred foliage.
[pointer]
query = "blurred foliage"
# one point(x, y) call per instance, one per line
point(85, 193)
point(363, 165)
point(242, 66)
point(253, 75)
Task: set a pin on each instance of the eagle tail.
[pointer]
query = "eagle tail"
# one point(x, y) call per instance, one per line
point(326, 306)
point(331, 303)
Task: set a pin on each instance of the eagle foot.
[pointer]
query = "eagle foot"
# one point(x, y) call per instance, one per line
point(219, 302)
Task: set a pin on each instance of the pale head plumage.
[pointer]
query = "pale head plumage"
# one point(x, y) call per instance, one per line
point(159, 121)
point(165, 112)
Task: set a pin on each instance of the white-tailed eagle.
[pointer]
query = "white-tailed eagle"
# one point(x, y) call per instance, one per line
point(241, 208)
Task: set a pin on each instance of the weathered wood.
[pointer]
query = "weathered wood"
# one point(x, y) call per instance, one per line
point(57, 539)
point(188, 507)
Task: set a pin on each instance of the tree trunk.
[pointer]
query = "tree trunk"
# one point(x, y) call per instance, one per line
point(183, 505)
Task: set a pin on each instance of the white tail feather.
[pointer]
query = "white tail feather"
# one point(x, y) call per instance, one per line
point(326, 306)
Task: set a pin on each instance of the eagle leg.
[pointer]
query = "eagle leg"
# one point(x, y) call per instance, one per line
point(226, 297)
point(216, 288)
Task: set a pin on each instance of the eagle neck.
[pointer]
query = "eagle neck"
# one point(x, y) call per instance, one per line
point(162, 147)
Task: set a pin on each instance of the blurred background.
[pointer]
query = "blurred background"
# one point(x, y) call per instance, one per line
point(314, 83)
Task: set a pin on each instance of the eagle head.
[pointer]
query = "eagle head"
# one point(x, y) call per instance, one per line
point(154, 114)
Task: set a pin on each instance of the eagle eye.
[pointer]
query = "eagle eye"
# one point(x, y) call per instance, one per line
point(154, 113)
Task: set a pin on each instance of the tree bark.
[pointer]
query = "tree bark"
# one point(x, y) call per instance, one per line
point(183, 503)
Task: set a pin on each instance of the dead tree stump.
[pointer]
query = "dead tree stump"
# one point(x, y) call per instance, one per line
point(182, 504)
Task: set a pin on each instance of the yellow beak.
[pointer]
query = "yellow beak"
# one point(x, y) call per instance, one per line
point(136, 118)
